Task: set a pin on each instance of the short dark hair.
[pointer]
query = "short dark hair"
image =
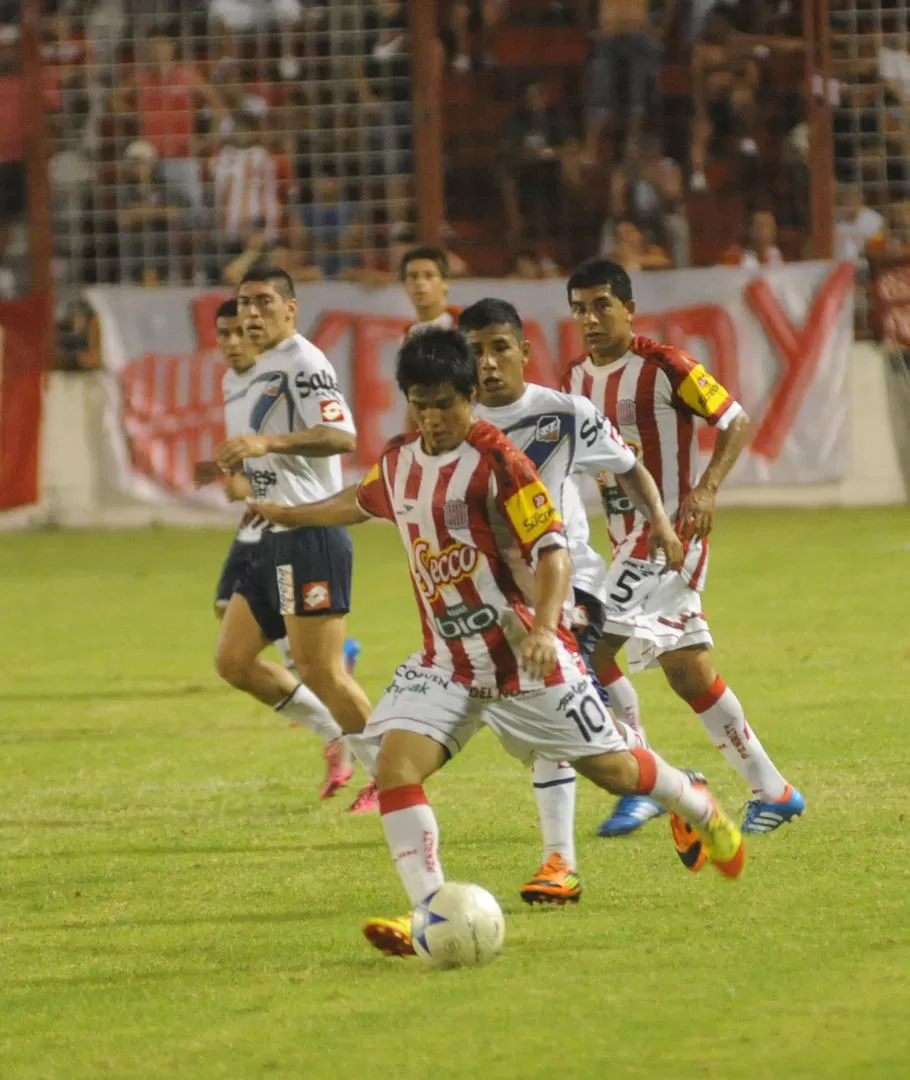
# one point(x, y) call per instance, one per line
point(434, 356)
point(491, 312)
point(598, 271)
point(433, 254)
point(273, 275)
point(226, 310)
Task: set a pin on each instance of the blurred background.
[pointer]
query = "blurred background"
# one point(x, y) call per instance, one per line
point(161, 145)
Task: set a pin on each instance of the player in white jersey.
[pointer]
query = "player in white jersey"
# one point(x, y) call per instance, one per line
point(424, 272)
point(298, 425)
point(654, 394)
point(491, 574)
point(561, 434)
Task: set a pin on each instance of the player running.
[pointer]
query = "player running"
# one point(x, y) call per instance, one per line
point(561, 434)
point(653, 394)
point(424, 272)
point(299, 584)
point(488, 561)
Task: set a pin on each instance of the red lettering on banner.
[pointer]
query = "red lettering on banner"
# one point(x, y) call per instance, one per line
point(570, 344)
point(373, 394)
point(542, 367)
point(23, 349)
point(172, 414)
point(800, 350)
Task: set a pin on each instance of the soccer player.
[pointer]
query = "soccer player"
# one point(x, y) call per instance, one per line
point(299, 585)
point(653, 394)
point(488, 561)
point(424, 271)
point(561, 434)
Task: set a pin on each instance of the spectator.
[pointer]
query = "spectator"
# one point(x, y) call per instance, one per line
point(229, 17)
point(329, 228)
point(760, 245)
point(529, 267)
point(168, 94)
point(648, 188)
point(532, 174)
point(466, 16)
point(725, 78)
point(860, 229)
point(68, 63)
point(633, 251)
point(250, 187)
point(628, 44)
point(149, 219)
point(13, 202)
point(384, 87)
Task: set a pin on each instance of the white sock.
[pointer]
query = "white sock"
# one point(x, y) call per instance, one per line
point(672, 789)
point(554, 790)
point(283, 648)
point(410, 828)
point(623, 698)
point(366, 751)
point(304, 708)
point(725, 721)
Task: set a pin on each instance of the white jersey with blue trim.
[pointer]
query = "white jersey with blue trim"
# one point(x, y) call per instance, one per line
point(564, 434)
point(234, 386)
point(294, 388)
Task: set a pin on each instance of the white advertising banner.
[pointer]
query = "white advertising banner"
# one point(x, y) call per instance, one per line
point(779, 341)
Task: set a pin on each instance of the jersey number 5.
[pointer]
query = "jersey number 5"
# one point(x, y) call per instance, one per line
point(624, 591)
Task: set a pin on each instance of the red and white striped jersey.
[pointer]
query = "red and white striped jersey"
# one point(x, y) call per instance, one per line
point(473, 522)
point(653, 395)
point(250, 190)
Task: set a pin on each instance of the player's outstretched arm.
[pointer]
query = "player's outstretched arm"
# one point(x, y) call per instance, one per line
point(639, 485)
point(341, 509)
point(319, 441)
point(696, 515)
point(552, 578)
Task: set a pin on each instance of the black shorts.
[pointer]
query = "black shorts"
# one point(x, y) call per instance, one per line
point(588, 633)
point(300, 572)
point(238, 558)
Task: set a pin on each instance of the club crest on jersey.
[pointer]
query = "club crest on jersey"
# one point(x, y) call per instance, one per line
point(434, 570)
point(547, 429)
point(455, 514)
point(626, 412)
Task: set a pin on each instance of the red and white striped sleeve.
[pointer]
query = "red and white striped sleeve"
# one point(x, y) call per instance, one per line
point(695, 391)
point(373, 494)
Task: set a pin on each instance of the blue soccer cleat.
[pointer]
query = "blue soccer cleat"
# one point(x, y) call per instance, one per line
point(766, 816)
point(629, 814)
point(351, 652)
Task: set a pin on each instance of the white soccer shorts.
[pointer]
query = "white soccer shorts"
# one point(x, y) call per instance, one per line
point(657, 612)
point(559, 723)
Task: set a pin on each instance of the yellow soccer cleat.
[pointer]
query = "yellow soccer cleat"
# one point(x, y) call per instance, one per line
point(554, 883)
point(392, 937)
point(723, 844)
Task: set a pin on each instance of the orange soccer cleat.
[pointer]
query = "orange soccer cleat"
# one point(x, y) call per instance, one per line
point(554, 883)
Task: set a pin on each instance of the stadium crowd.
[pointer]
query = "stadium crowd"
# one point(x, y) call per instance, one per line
point(189, 141)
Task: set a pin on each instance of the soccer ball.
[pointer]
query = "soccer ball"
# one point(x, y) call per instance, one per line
point(458, 925)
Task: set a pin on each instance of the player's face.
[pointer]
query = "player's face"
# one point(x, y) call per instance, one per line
point(233, 345)
point(426, 287)
point(266, 316)
point(605, 322)
point(443, 416)
point(501, 357)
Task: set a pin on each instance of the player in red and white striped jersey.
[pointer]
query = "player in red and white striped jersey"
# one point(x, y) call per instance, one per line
point(424, 272)
point(491, 574)
point(655, 394)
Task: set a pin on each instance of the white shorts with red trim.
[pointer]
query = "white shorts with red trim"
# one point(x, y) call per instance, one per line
point(657, 611)
point(557, 723)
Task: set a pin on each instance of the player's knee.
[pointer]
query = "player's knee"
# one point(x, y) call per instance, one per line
point(233, 668)
point(616, 773)
point(688, 677)
point(392, 772)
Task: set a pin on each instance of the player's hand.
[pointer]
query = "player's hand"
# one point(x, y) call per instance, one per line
point(232, 452)
point(237, 488)
point(696, 515)
point(270, 511)
point(538, 653)
point(663, 538)
point(206, 472)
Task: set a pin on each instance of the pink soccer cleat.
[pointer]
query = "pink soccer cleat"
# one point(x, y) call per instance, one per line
point(338, 769)
point(367, 801)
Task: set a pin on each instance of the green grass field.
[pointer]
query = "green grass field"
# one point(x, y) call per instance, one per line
point(175, 902)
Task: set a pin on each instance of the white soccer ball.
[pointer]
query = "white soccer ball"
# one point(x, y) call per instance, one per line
point(459, 925)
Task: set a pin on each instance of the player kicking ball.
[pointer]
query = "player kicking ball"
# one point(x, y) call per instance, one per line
point(491, 573)
point(653, 394)
point(297, 425)
point(562, 434)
